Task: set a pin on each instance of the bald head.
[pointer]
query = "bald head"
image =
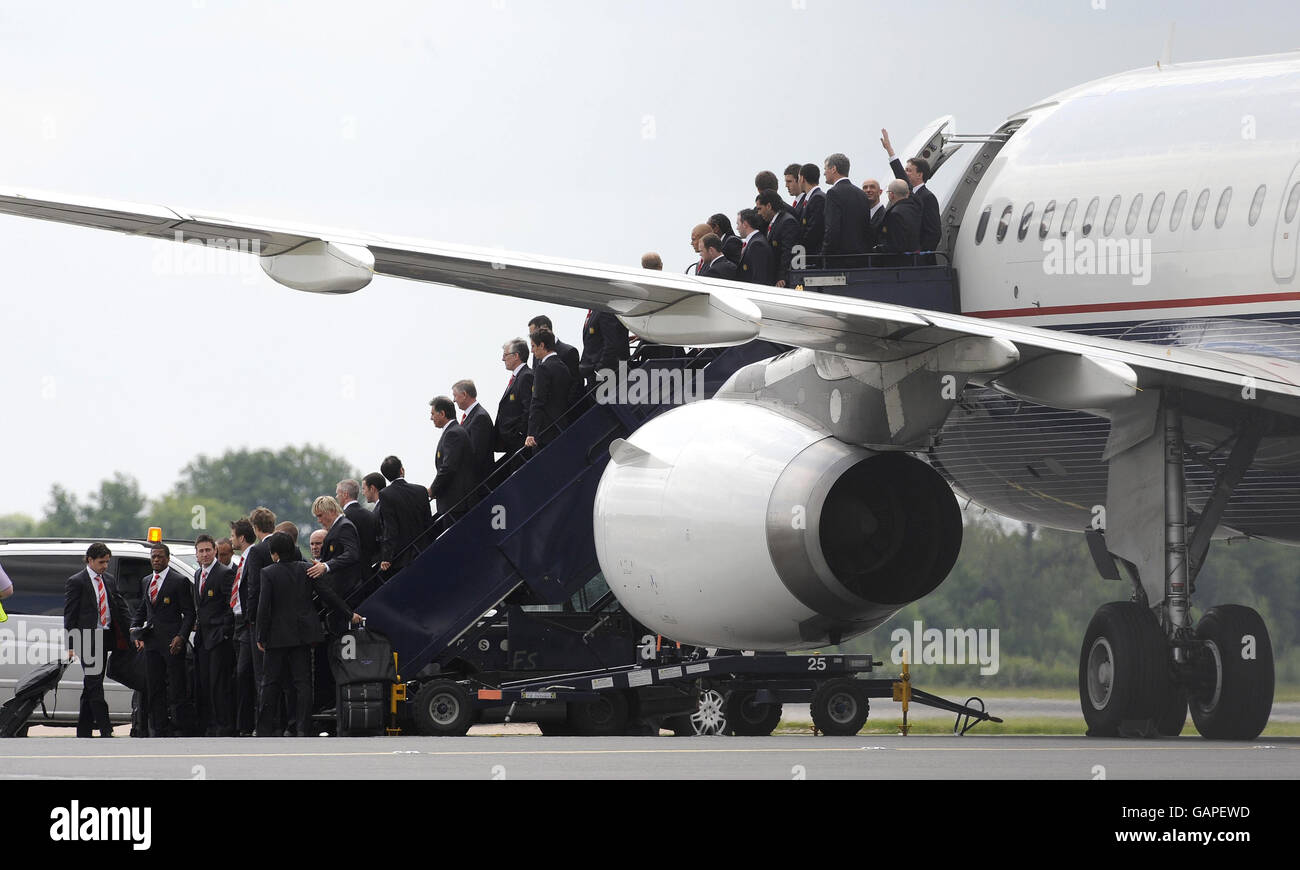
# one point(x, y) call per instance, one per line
point(898, 189)
point(871, 188)
point(700, 231)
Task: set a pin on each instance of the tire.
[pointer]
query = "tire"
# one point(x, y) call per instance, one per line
point(840, 707)
point(708, 720)
point(444, 709)
point(1236, 694)
point(748, 719)
point(604, 717)
point(1125, 681)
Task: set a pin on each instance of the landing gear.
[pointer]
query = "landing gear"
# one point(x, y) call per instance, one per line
point(1233, 671)
point(1125, 685)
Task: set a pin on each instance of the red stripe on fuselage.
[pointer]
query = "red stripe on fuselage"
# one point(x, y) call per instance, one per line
point(1204, 301)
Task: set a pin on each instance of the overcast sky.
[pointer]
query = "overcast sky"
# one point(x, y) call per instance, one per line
point(596, 130)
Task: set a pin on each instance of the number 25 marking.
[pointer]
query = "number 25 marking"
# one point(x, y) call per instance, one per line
point(816, 664)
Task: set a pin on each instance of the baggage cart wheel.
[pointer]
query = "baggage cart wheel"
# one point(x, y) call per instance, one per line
point(840, 707)
point(749, 719)
point(604, 717)
point(444, 709)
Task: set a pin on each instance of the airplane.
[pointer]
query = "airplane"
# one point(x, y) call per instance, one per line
point(1154, 406)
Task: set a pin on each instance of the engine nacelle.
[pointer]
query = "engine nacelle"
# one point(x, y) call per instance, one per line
point(724, 523)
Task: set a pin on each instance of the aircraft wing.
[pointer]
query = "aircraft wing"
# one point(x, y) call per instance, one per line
point(1047, 367)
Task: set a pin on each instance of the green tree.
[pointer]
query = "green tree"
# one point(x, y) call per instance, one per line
point(64, 515)
point(186, 517)
point(17, 526)
point(286, 480)
point(117, 509)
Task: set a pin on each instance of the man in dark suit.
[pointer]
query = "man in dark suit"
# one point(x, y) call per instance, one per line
point(512, 410)
point(716, 264)
point(812, 214)
point(404, 516)
point(95, 619)
point(793, 188)
point(255, 559)
point(568, 355)
point(756, 265)
point(604, 344)
point(242, 537)
point(916, 173)
point(871, 187)
point(731, 243)
point(900, 229)
point(478, 424)
point(346, 493)
point(847, 218)
point(782, 234)
point(214, 631)
point(340, 554)
point(550, 385)
point(697, 233)
point(455, 461)
point(164, 620)
point(287, 626)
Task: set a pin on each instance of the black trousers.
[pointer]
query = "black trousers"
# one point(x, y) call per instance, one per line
point(93, 713)
point(287, 673)
point(245, 685)
point(216, 695)
point(167, 690)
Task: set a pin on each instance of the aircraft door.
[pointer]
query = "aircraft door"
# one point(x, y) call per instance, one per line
point(1286, 236)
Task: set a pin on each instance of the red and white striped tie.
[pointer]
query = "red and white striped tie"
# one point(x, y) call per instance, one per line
point(234, 591)
point(153, 589)
point(203, 579)
point(102, 596)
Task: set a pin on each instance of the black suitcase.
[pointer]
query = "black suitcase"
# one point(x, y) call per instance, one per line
point(28, 694)
point(360, 710)
point(362, 656)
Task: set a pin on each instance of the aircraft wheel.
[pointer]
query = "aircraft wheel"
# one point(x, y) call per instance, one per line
point(1124, 678)
point(840, 707)
point(1235, 695)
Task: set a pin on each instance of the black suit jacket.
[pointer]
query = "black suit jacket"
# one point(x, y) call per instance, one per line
point(287, 616)
point(214, 621)
point(756, 264)
point(812, 222)
point(478, 424)
point(341, 553)
point(874, 223)
point(551, 384)
point(847, 220)
point(171, 613)
point(404, 513)
point(783, 235)
point(512, 411)
point(256, 558)
point(930, 229)
point(721, 268)
point(81, 610)
point(900, 231)
point(368, 531)
point(731, 247)
point(457, 467)
point(604, 343)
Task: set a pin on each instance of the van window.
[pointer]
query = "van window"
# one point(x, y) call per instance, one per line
point(1067, 219)
point(1024, 222)
point(1090, 215)
point(1134, 211)
point(1198, 213)
point(1176, 213)
point(1157, 206)
point(984, 224)
point(1046, 226)
point(40, 581)
point(1257, 204)
point(130, 572)
point(1221, 213)
point(1004, 223)
point(1112, 212)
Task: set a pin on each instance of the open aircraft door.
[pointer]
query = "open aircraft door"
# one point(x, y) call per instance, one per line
point(1286, 236)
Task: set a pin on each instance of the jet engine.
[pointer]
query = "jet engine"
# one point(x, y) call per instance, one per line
point(729, 524)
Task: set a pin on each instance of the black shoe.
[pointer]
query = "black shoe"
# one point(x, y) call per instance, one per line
point(106, 732)
point(245, 734)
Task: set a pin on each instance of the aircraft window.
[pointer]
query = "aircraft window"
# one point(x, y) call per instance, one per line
point(1090, 215)
point(1004, 222)
point(983, 225)
point(1024, 222)
point(1176, 213)
point(1198, 213)
point(1134, 210)
point(1257, 204)
point(1157, 206)
point(1048, 212)
point(1112, 212)
point(1221, 213)
point(1067, 219)
point(1292, 201)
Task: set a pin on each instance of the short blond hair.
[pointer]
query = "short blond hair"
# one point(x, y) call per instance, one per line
point(325, 504)
point(263, 519)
